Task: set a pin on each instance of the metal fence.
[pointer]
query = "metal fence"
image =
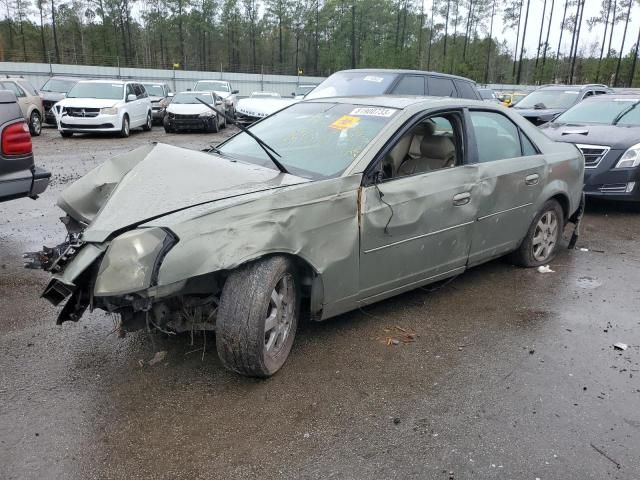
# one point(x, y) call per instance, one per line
point(39, 73)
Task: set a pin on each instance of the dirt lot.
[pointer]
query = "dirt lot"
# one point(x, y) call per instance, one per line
point(513, 374)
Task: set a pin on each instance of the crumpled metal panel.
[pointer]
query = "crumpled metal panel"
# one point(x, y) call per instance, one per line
point(317, 222)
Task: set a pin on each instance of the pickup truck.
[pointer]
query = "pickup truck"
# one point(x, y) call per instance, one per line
point(19, 177)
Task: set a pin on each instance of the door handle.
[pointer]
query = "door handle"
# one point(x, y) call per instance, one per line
point(532, 179)
point(461, 199)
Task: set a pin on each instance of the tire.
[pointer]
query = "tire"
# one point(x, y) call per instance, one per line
point(35, 123)
point(540, 245)
point(167, 126)
point(149, 124)
point(255, 330)
point(126, 129)
point(215, 125)
point(66, 134)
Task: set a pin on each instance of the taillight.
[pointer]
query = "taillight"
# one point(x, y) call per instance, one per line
point(16, 139)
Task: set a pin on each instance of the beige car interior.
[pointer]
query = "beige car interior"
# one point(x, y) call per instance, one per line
point(420, 150)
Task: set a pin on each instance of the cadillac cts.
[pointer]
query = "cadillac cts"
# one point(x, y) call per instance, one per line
point(326, 206)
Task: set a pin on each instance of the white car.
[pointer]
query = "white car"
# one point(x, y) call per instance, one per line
point(104, 106)
point(223, 90)
point(185, 112)
point(264, 95)
point(257, 107)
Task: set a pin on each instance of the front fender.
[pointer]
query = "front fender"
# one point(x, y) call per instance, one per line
point(317, 223)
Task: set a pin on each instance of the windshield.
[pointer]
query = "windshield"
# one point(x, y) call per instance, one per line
point(303, 90)
point(346, 84)
point(315, 140)
point(603, 112)
point(487, 94)
point(106, 91)
point(550, 99)
point(191, 98)
point(212, 85)
point(58, 86)
point(154, 90)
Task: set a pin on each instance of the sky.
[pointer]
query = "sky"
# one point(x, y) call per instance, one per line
point(591, 9)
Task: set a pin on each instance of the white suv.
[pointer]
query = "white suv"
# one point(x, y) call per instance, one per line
point(104, 106)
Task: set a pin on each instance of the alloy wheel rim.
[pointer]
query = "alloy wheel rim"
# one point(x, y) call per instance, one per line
point(279, 318)
point(545, 236)
point(36, 123)
point(126, 127)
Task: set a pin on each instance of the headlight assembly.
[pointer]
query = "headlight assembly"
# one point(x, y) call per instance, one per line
point(132, 261)
point(207, 114)
point(630, 158)
point(109, 111)
point(228, 102)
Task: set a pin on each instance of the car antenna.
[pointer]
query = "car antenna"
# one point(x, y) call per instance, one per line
point(260, 142)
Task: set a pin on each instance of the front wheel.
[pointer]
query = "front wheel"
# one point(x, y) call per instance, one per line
point(149, 123)
point(125, 129)
point(543, 237)
point(35, 124)
point(66, 134)
point(258, 316)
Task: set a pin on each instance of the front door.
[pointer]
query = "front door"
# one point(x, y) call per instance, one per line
point(416, 223)
point(511, 177)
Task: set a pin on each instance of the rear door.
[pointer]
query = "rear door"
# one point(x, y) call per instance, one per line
point(20, 95)
point(410, 85)
point(440, 86)
point(512, 174)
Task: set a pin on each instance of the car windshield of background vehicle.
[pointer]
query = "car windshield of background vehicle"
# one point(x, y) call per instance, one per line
point(345, 84)
point(106, 91)
point(58, 86)
point(210, 85)
point(154, 90)
point(304, 90)
point(550, 99)
point(315, 140)
point(603, 112)
point(265, 95)
point(192, 98)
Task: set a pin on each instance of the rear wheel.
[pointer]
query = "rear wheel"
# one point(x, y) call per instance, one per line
point(125, 129)
point(35, 123)
point(258, 316)
point(149, 124)
point(543, 237)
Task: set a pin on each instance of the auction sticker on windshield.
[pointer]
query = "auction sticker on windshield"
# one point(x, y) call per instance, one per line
point(373, 78)
point(372, 112)
point(344, 122)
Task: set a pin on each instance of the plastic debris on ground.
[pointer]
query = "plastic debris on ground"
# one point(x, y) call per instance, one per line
point(397, 335)
point(620, 346)
point(545, 269)
point(157, 358)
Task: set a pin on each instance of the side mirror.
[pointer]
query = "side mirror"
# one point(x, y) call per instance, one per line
point(188, 89)
point(293, 94)
point(170, 94)
point(235, 92)
point(131, 97)
point(219, 102)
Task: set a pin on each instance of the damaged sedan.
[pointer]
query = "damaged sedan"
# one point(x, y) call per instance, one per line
point(324, 207)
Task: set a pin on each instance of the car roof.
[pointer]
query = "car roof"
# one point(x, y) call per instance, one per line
point(400, 71)
point(116, 80)
point(574, 87)
point(613, 96)
point(191, 92)
point(71, 79)
point(212, 80)
point(400, 102)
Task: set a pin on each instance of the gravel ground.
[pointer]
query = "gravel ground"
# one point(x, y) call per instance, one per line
point(512, 375)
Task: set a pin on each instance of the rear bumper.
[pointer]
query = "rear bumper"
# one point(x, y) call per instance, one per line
point(29, 183)
point(40, 183)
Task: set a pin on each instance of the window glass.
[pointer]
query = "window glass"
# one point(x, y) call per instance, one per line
point(550, 98)
point(465, 90)
point(428, 146)
point(410, 85)
point(601, 92)
point(103, 90)
point(441, 87)
point(528, 148)
point(58, 85)
point(28, 87)
point(497, 137)
point(191, 98)
point(604, 110)
point(14, 88)
point(154, 89)
point(130, 90)
point(344, 84)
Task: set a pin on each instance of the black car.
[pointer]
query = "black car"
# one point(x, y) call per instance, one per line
point(54, 90)
point(546, 103)
point(19, 177)
point(160, 95)
point(380, 81)
point(607, 130)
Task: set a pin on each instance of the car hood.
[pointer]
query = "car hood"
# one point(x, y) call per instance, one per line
point(156, 180)
point(187, 108)
point(154, 99)
point(262, 107)
point(543, 114)
point(616, 137)
point(52, 96)
point(88, 102)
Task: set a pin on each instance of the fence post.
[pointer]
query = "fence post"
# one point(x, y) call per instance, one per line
point(118, 60)
point(262, 78)
point(220, 70)
point(50, 66)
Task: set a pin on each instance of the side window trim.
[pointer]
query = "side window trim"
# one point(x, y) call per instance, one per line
point(521, 134)
point(368, 174)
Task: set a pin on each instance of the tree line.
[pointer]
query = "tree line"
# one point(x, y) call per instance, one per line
point(317, 37)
